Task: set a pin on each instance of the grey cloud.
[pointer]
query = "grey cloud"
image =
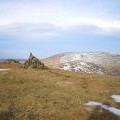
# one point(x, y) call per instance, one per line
point(30, 30)
point(85, 29)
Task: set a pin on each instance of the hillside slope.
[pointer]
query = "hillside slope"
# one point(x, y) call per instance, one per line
point(35, 94)
point(105, 62)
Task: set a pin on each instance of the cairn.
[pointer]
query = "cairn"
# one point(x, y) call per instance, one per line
point(33, 62)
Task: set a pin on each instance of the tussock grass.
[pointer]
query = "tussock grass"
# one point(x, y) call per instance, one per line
point(28, 94)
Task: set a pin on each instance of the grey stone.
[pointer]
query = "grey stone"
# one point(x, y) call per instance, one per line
point(33, 62)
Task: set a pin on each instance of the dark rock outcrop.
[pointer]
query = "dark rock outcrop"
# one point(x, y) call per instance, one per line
point(11, 61)
point(33, 62)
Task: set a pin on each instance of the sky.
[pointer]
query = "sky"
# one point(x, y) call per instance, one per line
point(48, 27)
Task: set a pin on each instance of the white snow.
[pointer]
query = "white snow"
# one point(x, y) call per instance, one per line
point(82, 63)
point(92, 104)
point(67, 67)
point(91, 57)
point(4, 69)
point(86, 57)
point(82, 67)
point(89, 62)
point(116, 98)
point(106, 107)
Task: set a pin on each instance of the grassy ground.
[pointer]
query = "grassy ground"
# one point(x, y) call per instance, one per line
point(27, 94)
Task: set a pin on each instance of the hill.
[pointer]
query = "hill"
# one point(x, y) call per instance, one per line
point(90, 62)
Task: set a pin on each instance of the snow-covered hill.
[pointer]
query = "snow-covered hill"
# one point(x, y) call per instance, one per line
point(94, 57)
point(80, 66)
point(90, 62)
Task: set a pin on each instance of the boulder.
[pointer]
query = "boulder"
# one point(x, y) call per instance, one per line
point(33, 62)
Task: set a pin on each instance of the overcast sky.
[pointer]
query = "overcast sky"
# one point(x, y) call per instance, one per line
point(47, 27)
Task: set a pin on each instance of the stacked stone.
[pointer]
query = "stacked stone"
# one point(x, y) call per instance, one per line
point(33, 62)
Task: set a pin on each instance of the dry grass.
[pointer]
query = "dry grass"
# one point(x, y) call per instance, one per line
point(27, 94)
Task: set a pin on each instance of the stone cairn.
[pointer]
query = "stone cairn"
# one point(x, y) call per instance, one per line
point(33, 62)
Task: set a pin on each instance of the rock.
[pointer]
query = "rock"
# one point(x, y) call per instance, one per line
point(11, 61)
point(33, 62)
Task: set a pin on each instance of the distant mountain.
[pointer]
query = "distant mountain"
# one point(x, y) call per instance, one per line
point(90, 62)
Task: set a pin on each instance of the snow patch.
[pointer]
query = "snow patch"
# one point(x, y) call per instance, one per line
point(4, 69)
point(106, 107)
point(67, 67)
point(116, 98)
point(99, 58)
point(86, 57)
point(89, 62)
point(80, 66)
point(91, 103)
point(82, 63)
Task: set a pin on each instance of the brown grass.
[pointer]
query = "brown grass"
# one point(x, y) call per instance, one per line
point(27, 94)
